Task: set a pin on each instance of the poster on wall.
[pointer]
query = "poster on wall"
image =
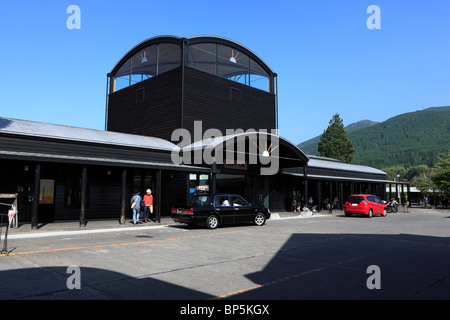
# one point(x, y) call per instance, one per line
point(47, 191)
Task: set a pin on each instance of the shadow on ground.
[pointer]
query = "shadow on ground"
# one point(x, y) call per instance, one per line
point(308, 266)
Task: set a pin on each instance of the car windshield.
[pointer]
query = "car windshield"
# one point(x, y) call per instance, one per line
point(198, 200)
point(355, 199)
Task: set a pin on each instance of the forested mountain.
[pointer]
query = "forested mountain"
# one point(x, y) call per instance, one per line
point(409, 139)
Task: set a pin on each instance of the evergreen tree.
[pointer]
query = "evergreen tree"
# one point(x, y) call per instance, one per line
point(335, 143)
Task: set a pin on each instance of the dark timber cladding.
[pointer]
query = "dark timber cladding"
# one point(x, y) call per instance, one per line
point(58, 150)
point(225, 104)
point(154, 107)
point(151, 107)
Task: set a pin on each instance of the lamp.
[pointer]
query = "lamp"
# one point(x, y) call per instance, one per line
point(234, 56)
point(144, 57)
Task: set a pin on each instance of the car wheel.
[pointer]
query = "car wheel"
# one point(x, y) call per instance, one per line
point(260, 219)
point(212, 222)
point(384, 214)
point(370, 214)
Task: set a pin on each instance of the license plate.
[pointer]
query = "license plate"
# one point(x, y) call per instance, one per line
point(354, 204)
point(180, 210)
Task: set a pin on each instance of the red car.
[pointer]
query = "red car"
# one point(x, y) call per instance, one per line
point(367, 204)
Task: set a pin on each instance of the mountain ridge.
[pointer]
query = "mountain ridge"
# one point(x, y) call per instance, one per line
point(407, 139)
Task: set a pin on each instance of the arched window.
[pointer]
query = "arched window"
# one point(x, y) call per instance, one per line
point(218, 56)
point(229, 63)
point(147, 63)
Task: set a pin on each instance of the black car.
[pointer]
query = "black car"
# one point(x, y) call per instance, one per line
point(213, 210)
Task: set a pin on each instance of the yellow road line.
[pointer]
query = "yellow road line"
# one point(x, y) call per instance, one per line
point(293, 276)
point(111, 245)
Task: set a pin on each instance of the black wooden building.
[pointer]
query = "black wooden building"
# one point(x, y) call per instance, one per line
point(166, 83)
point(161, 85)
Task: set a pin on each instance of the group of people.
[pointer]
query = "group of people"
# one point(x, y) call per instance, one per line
point(299, 204)
point(146, 204)
point(436, 201)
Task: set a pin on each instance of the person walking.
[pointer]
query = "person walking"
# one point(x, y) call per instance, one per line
point(148, 201)
point(136, 206)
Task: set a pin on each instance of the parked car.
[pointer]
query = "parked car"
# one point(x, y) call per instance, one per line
point(366, 204)
point(212, 210)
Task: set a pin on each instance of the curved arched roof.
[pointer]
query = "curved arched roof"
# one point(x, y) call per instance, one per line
point(288, 153)
point(191, 41)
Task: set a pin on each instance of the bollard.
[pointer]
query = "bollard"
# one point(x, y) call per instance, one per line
point(11, 214)
point(5, 239)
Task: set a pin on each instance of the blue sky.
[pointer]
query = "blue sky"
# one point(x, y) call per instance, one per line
point(326, 58)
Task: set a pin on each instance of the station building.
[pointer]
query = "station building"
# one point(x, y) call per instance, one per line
point(162, 86)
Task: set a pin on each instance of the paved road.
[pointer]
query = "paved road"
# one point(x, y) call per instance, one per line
point(323, 257)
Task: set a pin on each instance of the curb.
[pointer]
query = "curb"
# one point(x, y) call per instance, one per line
point(302, 215)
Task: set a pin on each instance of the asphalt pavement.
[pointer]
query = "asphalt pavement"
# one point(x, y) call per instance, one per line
point(404, 256)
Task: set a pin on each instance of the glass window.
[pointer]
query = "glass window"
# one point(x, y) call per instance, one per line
point(123, 76)
point(202, 57)
point(238, 201)
point(147, 63)
point(143, 64)
point(198, 200)
point(222, 201)
point(198, 183)
point(169, 57)
point(228, 62)
point(355, 199)
point(233, 64)
point(204, 179)
point(258, 77)
point(72, 192)
point(221, 60)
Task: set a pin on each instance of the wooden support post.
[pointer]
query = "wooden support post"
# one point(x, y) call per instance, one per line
point(305, 192)
point(319, 194)
point(213, 179)
point(37, 185)
point(158, 196)
point(83, 196)
point(123, 196)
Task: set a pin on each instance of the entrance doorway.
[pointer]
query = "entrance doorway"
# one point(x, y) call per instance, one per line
point(143, 180)
point(231, 183)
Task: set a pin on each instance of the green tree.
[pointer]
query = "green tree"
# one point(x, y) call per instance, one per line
point(442, 176)
point(392, 172)
point(335, 143)
point(423, 184)
point(408, 173)
point(421, 170)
